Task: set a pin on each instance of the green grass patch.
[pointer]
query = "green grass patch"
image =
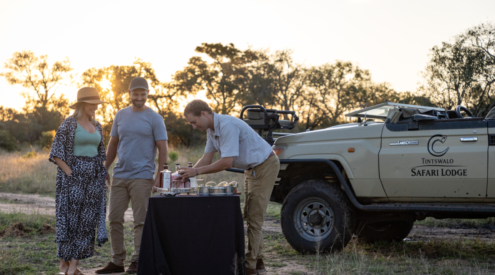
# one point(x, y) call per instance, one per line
point(34, 254)
point(458, 249)
point(30, 221)
point(458, 223)
point(273, 210)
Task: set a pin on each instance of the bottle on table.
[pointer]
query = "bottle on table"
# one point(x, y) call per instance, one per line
point(165, 177)
point(192, 182)
point(175, 175)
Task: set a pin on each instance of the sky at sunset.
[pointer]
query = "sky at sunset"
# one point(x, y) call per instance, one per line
point(389, 38)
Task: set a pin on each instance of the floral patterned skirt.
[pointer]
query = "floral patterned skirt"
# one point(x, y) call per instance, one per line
point(80, 209)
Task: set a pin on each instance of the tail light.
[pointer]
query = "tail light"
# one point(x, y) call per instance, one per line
point(278, 150)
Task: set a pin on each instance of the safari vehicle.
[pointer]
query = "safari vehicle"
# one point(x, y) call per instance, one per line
point(374, 179)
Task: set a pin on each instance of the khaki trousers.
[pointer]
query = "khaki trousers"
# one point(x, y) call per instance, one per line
point(137, 191)
point(258, 187)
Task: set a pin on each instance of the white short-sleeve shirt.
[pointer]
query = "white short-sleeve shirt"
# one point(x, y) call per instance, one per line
point(232, 137)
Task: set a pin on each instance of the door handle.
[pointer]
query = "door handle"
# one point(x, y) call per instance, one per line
point(469, 139)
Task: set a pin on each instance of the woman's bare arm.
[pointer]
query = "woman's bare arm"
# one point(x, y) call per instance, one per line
point(63, 166)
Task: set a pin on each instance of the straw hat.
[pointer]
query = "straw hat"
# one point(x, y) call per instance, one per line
point(88, 95)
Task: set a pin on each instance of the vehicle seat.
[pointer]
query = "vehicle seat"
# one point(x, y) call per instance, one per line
point(491, 114)
point(424, 117)
point(452, 114)
point(284, 123)
point(394, 115)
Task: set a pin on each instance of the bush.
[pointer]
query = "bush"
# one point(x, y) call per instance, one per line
point(173, 156)
point(46, 139)
point(7, 141)
point(31, 154)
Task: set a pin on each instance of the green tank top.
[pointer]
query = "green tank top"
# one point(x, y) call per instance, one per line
point(85, 143)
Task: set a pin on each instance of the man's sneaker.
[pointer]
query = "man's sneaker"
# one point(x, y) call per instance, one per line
point(132, 268)
point(110, 268)
point(260, 266)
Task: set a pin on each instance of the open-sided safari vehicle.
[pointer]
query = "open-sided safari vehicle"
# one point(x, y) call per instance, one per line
point(373, 179)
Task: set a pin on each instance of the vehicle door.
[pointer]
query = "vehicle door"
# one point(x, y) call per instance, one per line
point(435, 160)
point(491, 159)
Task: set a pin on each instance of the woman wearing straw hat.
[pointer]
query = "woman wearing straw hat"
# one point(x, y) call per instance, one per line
point(79, 152)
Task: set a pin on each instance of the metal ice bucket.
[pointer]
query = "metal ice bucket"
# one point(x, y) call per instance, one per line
point(229, 190)
point(204, 190)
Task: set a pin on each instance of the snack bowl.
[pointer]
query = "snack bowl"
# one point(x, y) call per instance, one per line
point(223, 183)
point(211, 183)
point(218, 191)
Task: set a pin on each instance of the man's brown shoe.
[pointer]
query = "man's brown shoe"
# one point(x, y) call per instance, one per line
point(132, 268)
point(110, 268)
point(260, 266)
point(250, 271)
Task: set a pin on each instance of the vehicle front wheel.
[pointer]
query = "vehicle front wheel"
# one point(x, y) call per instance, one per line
point(384, 231)
point(317, 216)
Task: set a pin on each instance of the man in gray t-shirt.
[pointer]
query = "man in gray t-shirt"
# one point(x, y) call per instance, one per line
point(137, 133)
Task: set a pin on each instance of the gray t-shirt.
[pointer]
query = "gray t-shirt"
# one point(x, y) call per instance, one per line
point(137, 133)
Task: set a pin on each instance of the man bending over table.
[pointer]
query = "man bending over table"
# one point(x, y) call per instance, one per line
point(241, 147)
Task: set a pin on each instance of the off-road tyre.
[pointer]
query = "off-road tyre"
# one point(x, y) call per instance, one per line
point(333, 201)
point(392, 231)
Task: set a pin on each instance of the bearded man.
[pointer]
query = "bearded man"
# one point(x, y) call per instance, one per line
point(137, 132)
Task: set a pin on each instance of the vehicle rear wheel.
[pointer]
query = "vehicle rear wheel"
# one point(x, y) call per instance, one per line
point(392, 231)
point(317, 216)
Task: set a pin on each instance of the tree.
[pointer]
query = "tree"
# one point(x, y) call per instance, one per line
point(462, 72)
point(289, 80)
point(451, 72)
point(258, 85)
point(113, 84)
point(223, 78)
point(7, 114)
point(33, 72)
point(332, 87)
point(482, 37)
point(167, 99)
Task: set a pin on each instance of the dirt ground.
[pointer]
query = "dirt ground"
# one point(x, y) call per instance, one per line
point(43, 205)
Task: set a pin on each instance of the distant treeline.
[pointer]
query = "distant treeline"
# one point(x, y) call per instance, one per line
point(459, 72)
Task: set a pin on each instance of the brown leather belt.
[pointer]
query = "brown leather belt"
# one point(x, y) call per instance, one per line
point(271, 155)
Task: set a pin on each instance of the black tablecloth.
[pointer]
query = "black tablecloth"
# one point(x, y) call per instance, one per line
point(192, 235)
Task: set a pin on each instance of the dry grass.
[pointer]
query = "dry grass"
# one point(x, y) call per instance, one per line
point(433, 257)
point(33, 175)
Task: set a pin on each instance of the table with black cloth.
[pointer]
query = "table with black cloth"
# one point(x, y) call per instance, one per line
point(192, 235)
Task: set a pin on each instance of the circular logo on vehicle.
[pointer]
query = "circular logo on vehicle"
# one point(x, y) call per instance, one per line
point(431, 145)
